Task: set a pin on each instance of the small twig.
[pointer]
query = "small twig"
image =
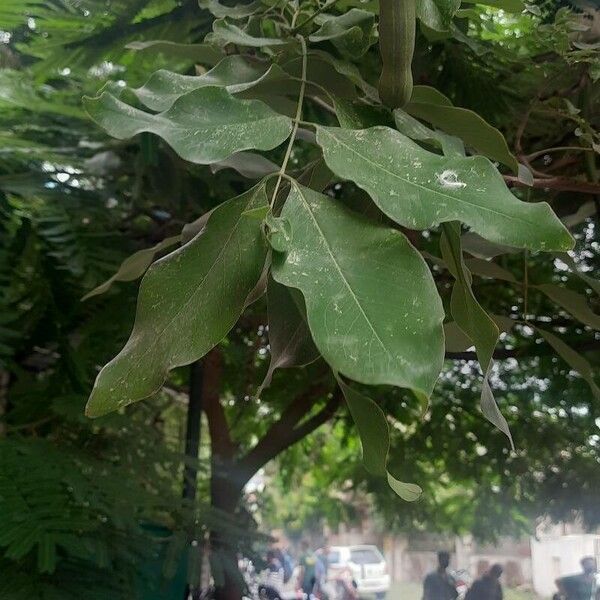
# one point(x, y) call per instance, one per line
point(561, 184)
point(525, 283)
point(538, 153)
point(317, 12)
point(296, 122)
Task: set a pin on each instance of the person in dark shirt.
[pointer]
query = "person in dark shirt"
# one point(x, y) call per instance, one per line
point(488, 586)
point(583, 586)
point(308, 564)
point(440, 585)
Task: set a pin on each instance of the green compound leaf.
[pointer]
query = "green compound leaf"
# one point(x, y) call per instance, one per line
point(474, 321)
point(366, 322)
point(134, 266)
point(419, 189)
point(203, 126)
point(233, 73)
point(575, 360)
point(188, 301)
point(374, 434)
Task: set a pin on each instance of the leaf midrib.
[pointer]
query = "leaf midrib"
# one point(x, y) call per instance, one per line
point(335, 262)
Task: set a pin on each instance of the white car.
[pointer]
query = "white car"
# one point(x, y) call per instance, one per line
point(367, 564)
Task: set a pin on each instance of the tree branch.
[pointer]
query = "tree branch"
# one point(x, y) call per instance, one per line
point(218, 428)
point(283, 434)
point(504, 353)
point(561, 184)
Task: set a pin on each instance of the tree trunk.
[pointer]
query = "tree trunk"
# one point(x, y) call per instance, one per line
point(225, 497)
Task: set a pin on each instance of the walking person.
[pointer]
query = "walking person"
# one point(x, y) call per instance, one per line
point(308, 564)
point(583, 586)
point(439, 584)
point(488, 586)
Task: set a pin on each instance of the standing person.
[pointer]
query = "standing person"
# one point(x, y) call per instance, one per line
point(583, 586)
point(488, 586)
point(307, 575)
point(439, 584)
point(322, 567)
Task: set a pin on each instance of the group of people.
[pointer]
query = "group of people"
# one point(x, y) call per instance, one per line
point(441, 585)
point(308, 578)
point(313, 567)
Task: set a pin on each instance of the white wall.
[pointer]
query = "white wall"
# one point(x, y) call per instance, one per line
point(556, 556)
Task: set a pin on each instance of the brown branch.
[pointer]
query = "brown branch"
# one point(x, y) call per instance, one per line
point(281, 436)
point(218, 428)
point(542, 350)
point(562, 184)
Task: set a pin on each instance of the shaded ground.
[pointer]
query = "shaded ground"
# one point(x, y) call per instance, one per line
point(414, 591)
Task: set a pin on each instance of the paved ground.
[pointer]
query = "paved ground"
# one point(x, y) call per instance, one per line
point(414, 591)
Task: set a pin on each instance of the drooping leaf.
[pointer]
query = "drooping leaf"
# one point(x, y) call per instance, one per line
point(247, 164)
point(206, 54)
point(429, 95)
point(351, 32)
point(345, 266)
point(187, 303)
point(323, 72)
point(374, 433)
point(574, 303)
point(437, 14)
point(511, 6)
point(468, 126)
point(134, 266)
point(225, 32)
point(359, 115)
point(585, 211)
point(575, 360)
point(191, 230)
point(456, 339)
point(470, 316)
point(203, 126)
point(233, 73)
point(289, 337)
point(593, 283)
point(348, 70)
point(238, 11)
point(419, 189)
point(414, 129)
point(488, 268)
point(481, 248)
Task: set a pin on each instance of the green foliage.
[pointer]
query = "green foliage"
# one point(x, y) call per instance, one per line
point(338, 228)
point(170, 293)
point(437, 189)
point(398, 344)
point(372, 329)
point(204, 126)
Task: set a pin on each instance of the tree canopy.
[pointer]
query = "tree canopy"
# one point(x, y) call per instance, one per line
point(398, 240)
